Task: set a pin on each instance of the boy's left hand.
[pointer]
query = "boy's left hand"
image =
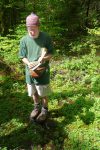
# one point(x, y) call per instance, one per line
point(41, 60)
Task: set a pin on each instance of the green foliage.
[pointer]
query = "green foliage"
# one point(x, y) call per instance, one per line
point(71, 19)
point(74, 103)
point(88, 118)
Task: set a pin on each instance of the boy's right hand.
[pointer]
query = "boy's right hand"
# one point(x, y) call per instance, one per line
point(32, 64)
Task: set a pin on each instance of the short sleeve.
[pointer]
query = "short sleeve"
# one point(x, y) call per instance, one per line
point(22, 50)
point(49, 45)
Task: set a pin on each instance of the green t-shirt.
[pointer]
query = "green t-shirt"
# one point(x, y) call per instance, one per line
point(31, 49)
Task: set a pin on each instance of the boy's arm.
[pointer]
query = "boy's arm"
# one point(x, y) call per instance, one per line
point(47, 57)
point(44, 56)
point(26, 62)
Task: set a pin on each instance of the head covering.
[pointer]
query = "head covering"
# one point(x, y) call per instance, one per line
point(32, 20)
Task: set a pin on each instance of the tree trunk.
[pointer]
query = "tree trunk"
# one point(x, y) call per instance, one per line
point(8, 18)
point(87, 12)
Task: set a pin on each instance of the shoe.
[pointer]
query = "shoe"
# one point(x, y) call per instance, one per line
point(42, 116)
point(34, 113)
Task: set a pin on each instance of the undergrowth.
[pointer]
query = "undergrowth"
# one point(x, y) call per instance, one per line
point(73, 105)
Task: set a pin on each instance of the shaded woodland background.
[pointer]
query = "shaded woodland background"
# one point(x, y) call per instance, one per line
point(74, 105)
point(62, 17)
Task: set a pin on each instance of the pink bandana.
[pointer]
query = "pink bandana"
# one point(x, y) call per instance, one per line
point(32, 20)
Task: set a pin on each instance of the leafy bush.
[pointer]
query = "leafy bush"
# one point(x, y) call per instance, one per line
point(74, 102)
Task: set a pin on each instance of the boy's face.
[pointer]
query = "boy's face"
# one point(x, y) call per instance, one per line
point(33, 31)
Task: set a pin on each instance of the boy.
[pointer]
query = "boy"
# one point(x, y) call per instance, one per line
point(31, 47)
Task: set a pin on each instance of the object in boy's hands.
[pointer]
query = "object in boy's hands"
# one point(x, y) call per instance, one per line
point(37, 70)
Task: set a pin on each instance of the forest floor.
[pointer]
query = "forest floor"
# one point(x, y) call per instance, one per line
point(74, 107)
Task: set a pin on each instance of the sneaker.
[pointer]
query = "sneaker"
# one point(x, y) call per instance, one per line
point(42, 116)
point(35, 112)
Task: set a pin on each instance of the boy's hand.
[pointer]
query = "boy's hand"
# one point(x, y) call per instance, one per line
point(32, 64)
point(41, 60)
